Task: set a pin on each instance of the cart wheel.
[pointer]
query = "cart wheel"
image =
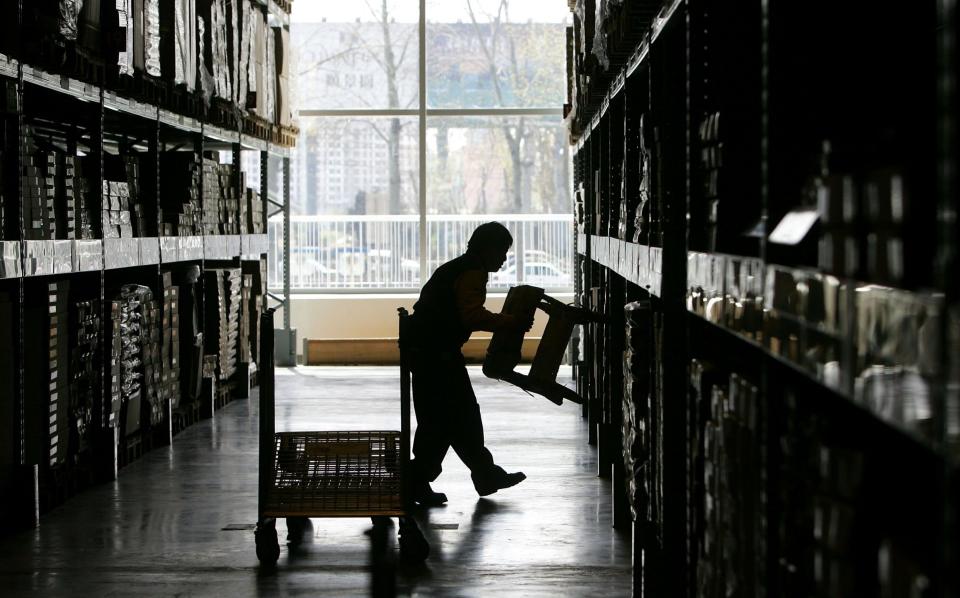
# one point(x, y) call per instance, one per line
point(414, 548)
point(299, 530)
point(268, 548)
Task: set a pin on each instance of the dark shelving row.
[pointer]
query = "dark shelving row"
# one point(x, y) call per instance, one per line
point(765, 201)
point(220, 63)
point(133, 270)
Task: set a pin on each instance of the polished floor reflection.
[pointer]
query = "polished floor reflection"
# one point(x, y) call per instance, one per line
point(160, 529)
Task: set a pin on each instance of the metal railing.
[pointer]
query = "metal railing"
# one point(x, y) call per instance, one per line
point(361, 253)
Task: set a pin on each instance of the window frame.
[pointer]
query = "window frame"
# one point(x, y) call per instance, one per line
point(423, 113)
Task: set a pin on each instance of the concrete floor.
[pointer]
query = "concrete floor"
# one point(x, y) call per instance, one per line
point(159, 529)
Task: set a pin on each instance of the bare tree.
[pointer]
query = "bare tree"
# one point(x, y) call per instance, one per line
point(391, 62)
point(514, 133)
point(389, 55)
point(497, 40)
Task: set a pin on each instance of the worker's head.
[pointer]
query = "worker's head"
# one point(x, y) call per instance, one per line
point(490, 242)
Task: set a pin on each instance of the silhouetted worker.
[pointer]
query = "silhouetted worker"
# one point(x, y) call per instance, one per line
point(449, 309)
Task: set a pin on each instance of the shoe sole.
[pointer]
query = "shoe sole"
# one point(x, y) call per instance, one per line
point(494, 491)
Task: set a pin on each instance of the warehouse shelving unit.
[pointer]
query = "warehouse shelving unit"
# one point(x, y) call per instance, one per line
point(766, 208)
point(88, 118)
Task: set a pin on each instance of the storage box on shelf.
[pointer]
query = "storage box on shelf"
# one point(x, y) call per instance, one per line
point(180, 203)
point(54, 192)
point(53, 30)
point(85, 379)
point(138, 404)
point(126, 375)
point(178, 37)
point(170, 342)
point(191, 344)
point(255, 272)
point(637, 431)
point(150, 345)
point(46, 375)
point(223, 302)
point(46, 385)
point(728, 448)
point(221, 207)
point(828, 478)
point(256, 222)
point(122, 210)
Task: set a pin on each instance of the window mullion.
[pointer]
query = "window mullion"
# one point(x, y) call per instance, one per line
point(359, 112)
point(422, 76)
point(494, 112)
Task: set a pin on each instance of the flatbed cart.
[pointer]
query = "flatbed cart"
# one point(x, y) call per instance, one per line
point(333, 474)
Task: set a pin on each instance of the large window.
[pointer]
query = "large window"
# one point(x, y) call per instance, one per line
point(419, 120)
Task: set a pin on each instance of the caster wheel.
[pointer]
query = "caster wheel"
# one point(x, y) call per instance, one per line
point(268, 548)
point(299, 530)
point(414, 548)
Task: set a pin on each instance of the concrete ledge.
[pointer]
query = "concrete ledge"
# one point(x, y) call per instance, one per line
point(384, 351)
point(370, 315)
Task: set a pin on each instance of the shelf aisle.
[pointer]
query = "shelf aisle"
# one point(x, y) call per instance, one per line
point(549, 532)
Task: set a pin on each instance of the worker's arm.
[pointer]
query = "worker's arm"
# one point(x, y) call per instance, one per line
point(471, 293)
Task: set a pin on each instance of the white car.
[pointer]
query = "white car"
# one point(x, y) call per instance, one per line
point(307, 267)
point(540, 274)
point(530, 256)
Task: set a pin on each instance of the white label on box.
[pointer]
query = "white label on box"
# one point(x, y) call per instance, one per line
point(794, 227)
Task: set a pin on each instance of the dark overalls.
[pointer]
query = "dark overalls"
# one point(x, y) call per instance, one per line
point(447, 411)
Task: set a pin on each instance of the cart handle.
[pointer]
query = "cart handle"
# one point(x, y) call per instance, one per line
point(267, 399)
point(402, 342)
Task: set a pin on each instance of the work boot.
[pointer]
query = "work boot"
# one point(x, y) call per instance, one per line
point(424, 495)
point(498, 479)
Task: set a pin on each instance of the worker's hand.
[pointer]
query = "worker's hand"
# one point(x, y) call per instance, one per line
point(527, 323)
point(520, 323)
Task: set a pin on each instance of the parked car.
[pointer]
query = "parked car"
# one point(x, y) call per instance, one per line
point(309, 268)
point(531, 256)
point(539, 274)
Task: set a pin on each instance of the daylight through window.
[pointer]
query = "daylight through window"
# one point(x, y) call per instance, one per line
point(419, 120)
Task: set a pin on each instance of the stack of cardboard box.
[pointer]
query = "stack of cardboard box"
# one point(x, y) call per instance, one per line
point(229, 212)
point(222, 303)
point(170, 342)
point(211, 197)
point(139, 23)
point(37, 190)
point(126, 355)
point(54, 193)
point(178, 42)
point(150, 347)
point(116, 210)
point(255, 223)
point(180, 208)
point(46, 377)
point(255, 273)
point(636, 408)
point(84, 374)
point(79, 220)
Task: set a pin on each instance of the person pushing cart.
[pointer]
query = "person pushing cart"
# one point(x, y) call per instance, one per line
point(449, 309)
